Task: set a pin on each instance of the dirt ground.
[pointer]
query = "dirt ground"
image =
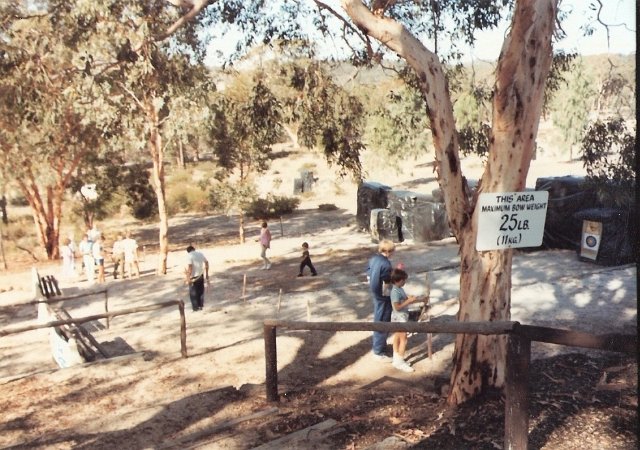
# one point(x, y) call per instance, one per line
point(148, 396)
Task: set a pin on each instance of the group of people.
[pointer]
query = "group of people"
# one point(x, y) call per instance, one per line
point(265, 244)
point(390, 304)
point(124, 253)
point(196, 269)
point(386, 285)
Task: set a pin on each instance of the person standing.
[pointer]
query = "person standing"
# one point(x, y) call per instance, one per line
point(399, 301)
point(68, 260)
point(265, 244)
point(98, 257)
point(196, 272)
point(93, 233)
point(379, 273)
point(117, 256)
point(130, 247)
point(306, 261)
point(87, 258)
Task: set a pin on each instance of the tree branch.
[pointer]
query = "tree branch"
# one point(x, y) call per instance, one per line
point(193, 8)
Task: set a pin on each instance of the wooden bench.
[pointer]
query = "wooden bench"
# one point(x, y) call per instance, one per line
point(49, 293)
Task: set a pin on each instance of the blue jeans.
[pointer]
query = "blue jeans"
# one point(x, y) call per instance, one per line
point(381, 313)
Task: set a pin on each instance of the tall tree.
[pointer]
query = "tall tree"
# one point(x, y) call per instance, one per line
point(525, 59)
point(572, 112)
point(50, 116)
point(77, 74)
point(517, 102)
point(242, 131)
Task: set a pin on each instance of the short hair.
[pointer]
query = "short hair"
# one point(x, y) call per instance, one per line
point(386, 245)
point(264, 224)
point(398, 275)
point(190, 248)
point(305, 245)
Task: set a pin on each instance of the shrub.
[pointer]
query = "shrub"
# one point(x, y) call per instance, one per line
point(272, 207)
point(186, 198)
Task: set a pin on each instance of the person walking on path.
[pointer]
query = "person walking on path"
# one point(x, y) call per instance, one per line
point(379, 273)
point(87, 258)
point(306, 261)
point(117, 256)
point(399, 301)
point(196, 272)
point(265, 244)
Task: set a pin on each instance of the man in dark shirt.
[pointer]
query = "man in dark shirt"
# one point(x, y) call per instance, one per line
point(379, 272)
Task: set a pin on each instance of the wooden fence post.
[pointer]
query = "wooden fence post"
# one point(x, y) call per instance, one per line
point(183, 330)
point(271, 361)
point(516, 412)
point(106, 304)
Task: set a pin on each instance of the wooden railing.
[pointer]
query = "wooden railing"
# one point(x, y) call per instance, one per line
point(122, 312)
point(519, 338)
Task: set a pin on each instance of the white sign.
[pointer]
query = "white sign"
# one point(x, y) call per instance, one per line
point(511, 219)
point(89, 191)
point(591, 236)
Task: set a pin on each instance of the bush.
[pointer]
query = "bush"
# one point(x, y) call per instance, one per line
point(186, 198)
point(272, 207)
point(19, 200)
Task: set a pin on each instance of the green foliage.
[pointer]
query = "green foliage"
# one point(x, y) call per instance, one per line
point(475, 140)
point(608, 154)
point(572, 112)
point(398, 129)
point(227, 197)
point(272, 207)
point(242, 131)
point(561, 67)
point(327, 116)
point(140, 195)
point(471, 111)
point(327, 207)
point(187, 198)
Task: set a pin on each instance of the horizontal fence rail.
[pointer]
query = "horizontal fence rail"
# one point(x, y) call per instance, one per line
point(122, 312)
point(519, 338)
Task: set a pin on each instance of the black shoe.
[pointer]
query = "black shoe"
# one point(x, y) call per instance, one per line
point(314, 274)
point(300, 275)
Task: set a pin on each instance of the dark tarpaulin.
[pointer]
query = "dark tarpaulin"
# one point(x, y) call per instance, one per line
point(422, 219)
point(371, 195)
point(384, 225)
point(567, 196)
point(615, 247)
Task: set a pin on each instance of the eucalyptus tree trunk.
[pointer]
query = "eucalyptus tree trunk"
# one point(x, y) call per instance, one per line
point(485, 277)
point(46, 211)
point(157, 175)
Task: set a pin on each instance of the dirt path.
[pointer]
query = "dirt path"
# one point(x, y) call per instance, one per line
point(155, 399)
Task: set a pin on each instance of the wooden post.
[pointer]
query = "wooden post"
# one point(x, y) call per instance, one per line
point(281, 228)
point(4, 258)
point(106, 304)
point(244, 287)
point(516, 414)
point(279, 299)
point(183, 330)
point(271, 361)
point(428, 306)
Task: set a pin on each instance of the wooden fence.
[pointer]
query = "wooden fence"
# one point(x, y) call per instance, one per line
point(519, 338)
point(122, 312)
